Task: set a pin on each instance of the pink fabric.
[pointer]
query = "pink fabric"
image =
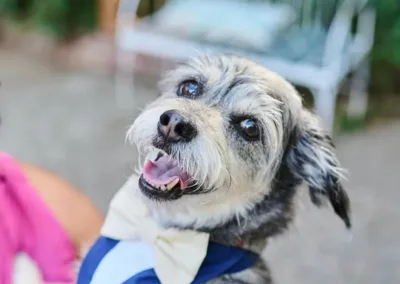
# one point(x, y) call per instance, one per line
point(27, 225)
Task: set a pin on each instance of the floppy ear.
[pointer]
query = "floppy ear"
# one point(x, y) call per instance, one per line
point(312, 158)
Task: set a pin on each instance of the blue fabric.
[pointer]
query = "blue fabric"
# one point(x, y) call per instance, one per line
point(220, 259)
point(145, 277)
point(100, 248)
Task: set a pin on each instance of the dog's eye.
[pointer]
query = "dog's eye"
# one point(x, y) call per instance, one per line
point(189, 89)
point(249, 129)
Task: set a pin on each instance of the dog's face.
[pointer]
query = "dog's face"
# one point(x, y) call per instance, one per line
point(217, 136)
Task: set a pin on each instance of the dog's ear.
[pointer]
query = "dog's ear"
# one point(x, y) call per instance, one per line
point(311, 157)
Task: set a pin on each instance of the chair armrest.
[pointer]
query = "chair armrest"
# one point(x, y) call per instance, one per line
point(128, 6)
point(126, 11)
point(339, 31)
point(366, 23)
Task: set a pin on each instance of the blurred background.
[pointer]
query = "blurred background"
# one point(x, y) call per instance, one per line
point(75, 73)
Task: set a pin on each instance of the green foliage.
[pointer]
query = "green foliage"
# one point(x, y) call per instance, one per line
point(61, 18)
point(14, 8)
point(386, 52)
point(387, 34)
point(349, 124)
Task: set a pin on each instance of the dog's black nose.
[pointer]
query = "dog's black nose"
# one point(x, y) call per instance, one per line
point(174, 127)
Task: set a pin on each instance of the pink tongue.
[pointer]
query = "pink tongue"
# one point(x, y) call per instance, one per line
point(163, 171)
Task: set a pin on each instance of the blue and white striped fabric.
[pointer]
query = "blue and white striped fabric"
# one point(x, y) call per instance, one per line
point(112, 261)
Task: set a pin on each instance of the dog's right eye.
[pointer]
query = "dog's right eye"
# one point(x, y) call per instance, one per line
point(247, 127)
point(189, 89)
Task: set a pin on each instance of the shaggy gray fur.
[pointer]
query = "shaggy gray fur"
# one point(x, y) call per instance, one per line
point(245, 189)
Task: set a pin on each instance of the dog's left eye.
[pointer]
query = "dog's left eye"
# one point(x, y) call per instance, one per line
point(189, 89)
point(249, 129)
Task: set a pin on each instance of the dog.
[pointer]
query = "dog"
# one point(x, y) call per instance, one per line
point(229, 143)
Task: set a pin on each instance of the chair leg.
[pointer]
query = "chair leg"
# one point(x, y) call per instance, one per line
point(324, 106)
point(358, 99)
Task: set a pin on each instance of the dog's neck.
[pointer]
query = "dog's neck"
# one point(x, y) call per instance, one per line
point(269, 217)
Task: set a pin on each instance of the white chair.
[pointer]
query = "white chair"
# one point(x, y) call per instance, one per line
point(321, 67)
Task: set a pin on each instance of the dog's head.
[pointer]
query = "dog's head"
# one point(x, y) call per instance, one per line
point(218, 135)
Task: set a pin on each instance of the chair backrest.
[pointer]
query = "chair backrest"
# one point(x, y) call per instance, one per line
point(321, 12)
point(313, 12)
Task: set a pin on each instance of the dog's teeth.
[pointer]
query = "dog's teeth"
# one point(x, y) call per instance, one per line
point(163, 187)
point(172, 184)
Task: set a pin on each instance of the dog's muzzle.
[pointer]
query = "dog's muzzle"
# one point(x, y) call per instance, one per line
point(163, 177)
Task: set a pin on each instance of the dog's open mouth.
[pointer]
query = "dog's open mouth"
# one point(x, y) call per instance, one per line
point(163, 178)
